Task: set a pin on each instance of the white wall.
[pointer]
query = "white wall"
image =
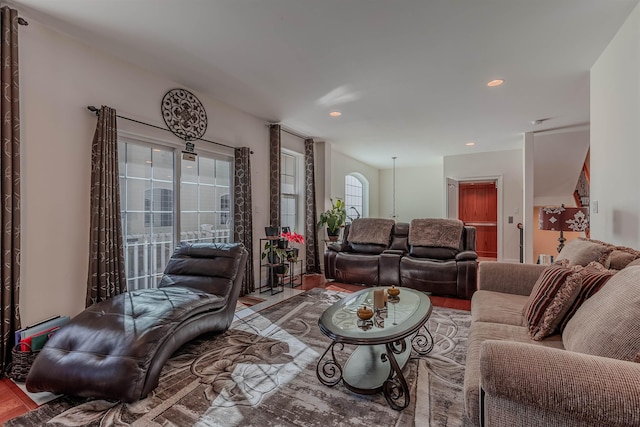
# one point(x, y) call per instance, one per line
point(59, 77)
point(615, 138)
point(507, 164)
point(418, 192)
point(337, 166)
point(558, 159)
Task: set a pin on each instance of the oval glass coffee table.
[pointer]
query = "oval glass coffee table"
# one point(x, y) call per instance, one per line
point(384, 343)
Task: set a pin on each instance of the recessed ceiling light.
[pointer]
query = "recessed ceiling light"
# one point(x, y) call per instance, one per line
point(470, 143)
point(494, 83)
point(335, 114)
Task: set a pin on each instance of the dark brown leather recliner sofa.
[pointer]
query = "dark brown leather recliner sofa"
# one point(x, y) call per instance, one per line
point(392, 259)
point(115, 349)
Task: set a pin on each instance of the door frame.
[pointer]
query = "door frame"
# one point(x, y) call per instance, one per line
point(449, 203)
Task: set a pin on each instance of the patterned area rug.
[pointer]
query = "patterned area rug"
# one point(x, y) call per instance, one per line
point(262, 372)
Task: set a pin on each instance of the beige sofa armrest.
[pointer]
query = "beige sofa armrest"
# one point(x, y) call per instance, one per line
point(508, 277)
point(579, 389)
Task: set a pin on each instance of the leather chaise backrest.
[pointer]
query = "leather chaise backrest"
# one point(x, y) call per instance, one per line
point(191, 266)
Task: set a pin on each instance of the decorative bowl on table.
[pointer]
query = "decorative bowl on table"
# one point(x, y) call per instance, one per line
point(393, 291)
point(365, 313)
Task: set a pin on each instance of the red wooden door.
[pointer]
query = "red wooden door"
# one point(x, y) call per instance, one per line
point(478, 207)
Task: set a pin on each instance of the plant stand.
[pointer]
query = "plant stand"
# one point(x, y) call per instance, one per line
point(292, 279)
point(270, 280)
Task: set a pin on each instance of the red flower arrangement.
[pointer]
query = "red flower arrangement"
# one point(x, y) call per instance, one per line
point(293, 237)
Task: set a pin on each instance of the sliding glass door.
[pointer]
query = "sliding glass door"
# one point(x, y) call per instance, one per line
point(165, 200)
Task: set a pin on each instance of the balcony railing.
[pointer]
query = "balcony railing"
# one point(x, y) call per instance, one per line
point(146, 255)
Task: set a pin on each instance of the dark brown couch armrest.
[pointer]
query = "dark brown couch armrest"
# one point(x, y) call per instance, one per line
point(389, 268)
point(467, 278)
point(338, 247)
point(466, 256)
point(394, 252)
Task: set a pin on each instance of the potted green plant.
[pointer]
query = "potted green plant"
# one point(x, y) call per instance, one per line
point(275, 251)
point(333, 219)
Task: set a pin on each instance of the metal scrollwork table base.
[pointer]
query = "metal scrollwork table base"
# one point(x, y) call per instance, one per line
point(384, 344)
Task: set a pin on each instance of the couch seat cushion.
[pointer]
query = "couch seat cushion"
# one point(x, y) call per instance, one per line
point(498, 307)
point(480, 332)
point(608, 323)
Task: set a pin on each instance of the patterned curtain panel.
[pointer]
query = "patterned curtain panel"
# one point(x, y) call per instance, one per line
point(274, 175)
point(242, 223)
point(106, 254)
point(310, 218)
point(10, 163)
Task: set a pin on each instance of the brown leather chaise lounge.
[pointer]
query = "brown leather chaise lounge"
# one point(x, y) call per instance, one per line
point(115, 349)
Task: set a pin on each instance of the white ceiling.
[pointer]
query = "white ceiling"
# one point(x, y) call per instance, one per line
point(409, 76)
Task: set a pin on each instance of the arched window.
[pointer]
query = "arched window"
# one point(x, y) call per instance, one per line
point(356, 195)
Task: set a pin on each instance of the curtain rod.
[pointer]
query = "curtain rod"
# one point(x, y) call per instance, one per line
point(290, 132)
point(96, 110)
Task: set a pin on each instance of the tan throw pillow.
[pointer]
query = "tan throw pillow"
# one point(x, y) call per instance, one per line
point(621, 257)
point(552, 295)
point(608, 324)
point(582, 251)
point(593, 276)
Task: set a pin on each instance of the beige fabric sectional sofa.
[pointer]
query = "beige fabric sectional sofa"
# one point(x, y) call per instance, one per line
point(589, 375)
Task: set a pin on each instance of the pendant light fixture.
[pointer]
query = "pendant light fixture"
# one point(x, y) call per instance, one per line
point(393, 215)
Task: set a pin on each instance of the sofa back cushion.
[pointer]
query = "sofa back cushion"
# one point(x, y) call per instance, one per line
point(582, 251)
point(436, 232)
point(376, 231)
point(621, 257)
point(608, 324)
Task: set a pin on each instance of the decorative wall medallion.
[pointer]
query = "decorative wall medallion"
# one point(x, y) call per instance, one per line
point(184, 114)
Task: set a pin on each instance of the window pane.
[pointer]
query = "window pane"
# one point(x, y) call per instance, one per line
point(223, 172)
point(147, 212)
point(288, 212)
point(138, 161)
point(354, 196)
point(162, 165)
point(206, 170)
point(189, 197)
point(288, 185)
point(189, 227)
point(206, 198)
point(288, 191)
point(288, 165)
point(189, 171)
point(202, 216)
